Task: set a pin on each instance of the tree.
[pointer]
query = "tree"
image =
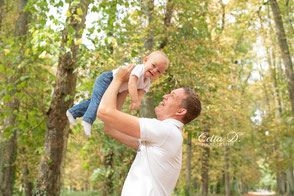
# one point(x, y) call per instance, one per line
point(205, 163)
point(188, 163)
point(57, 129)
point(147, 108)
point(8, 144)
point(282, 40)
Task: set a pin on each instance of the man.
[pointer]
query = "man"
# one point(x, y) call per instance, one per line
point(157, 165)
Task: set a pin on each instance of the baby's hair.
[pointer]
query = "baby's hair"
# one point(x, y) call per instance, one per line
point(158, 52)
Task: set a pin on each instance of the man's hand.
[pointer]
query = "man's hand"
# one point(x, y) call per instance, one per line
point(123, 73)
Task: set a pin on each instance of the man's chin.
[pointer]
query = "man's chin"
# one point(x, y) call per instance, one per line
point(158, 108)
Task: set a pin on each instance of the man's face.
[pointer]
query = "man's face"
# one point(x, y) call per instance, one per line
point(154, 66)
point(170, 105)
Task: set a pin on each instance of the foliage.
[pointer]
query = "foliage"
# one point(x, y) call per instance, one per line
point(230, 59)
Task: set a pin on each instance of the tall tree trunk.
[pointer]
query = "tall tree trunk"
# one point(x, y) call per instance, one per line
point(244, 187)
point(281, 182)
point(8, 146)
point(223, 24)
point(227, 171)
point(28, 185)
point(273, 72)
point(8, 157)
point(147, 104)
point(272, 66)
point(188, 164)
point(108, 182)
point(57, 128)
point(1, 12)
point(205, 164)
point(282, 40)
point(167, 22)
point(290, 178)
point(148, 10)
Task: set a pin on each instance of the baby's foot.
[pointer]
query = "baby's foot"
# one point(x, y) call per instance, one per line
point(87, 128)
point(71, 119)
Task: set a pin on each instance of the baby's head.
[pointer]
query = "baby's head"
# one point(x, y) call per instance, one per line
point(155, 64)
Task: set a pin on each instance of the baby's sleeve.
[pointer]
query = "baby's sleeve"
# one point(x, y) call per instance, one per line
point(138, 71)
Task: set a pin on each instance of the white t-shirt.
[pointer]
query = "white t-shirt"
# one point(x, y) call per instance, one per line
point(157, 165)
point(142, 83)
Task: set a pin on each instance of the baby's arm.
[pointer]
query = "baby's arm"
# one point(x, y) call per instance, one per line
point(132, 86)
point(141, 92)
point(136, 106)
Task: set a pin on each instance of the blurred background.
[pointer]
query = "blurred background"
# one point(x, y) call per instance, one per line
point(237, 55)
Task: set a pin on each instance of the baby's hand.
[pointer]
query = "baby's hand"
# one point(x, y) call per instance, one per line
point(135, 106)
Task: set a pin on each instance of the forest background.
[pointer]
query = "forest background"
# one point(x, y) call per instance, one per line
point(236, 54)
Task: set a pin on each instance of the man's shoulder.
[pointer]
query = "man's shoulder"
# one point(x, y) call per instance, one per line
point(164, 123)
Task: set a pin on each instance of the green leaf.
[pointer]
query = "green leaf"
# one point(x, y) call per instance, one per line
point(67, 98)
point(2, 68)
point(68, 14)
point(6, 98)
point(23, 78)
point(80, 11)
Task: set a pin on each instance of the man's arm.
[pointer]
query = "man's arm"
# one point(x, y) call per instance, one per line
point(108, 112)
point(121, 97)
point(122, 138)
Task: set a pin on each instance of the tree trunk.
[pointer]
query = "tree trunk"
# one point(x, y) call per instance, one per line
point(167, 22)
point(244, 187)
point(28, 185)
point(205, 164)
point(8, 157)
point(188, 164)
point(282, 40)
point(223, 24)
point(281, 182)
point(57, 128)
point(273, 72)
point(147, 104)
point(290, 179)
point(148, 10)
point(108, 182)
point(227, 172)
point(8, 145)
point(1, 12)
point(218, 187)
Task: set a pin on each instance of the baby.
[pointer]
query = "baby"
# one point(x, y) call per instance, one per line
point(139, 83)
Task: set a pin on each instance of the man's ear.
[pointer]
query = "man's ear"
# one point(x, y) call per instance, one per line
point(181, 112)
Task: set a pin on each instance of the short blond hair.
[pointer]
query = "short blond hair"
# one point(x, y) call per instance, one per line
point(158, 52)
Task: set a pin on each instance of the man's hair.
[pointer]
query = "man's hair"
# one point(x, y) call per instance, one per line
point(192, 104)
point(158, 52)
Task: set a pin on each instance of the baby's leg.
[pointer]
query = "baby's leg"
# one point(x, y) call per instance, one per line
point(79, 109)
point(100, 86)
point(121, 97)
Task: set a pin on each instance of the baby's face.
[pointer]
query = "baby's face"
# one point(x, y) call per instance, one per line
point(155, 66)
